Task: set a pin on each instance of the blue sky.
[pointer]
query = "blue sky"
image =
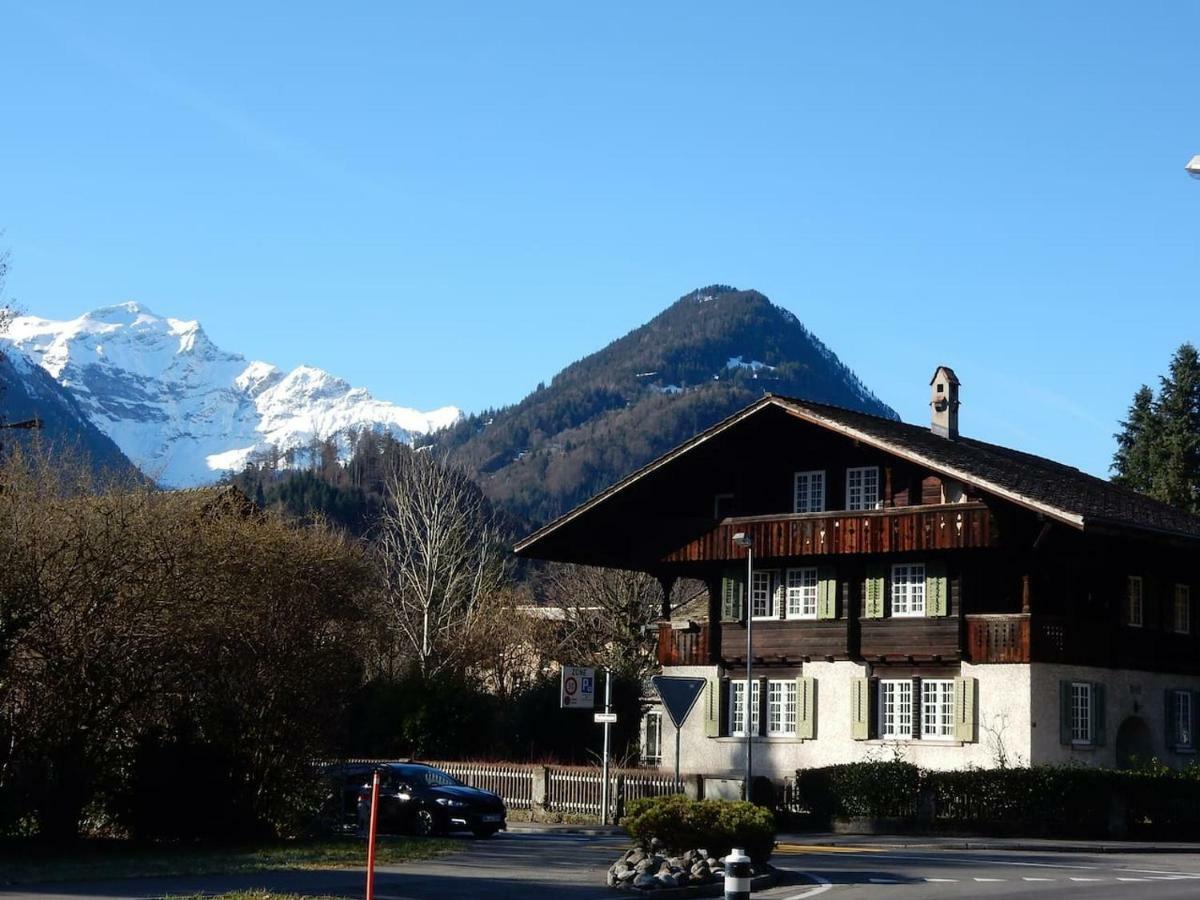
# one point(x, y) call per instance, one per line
point(447, 203)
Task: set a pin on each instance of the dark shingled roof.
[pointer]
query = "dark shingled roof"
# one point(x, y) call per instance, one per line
point(1058, 490)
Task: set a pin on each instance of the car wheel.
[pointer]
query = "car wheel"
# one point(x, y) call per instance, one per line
point(483, 832)
point(423, 823)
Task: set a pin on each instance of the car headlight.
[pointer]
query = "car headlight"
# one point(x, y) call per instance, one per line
point(453, 804)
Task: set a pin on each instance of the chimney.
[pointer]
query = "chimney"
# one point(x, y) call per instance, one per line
point(943, 399)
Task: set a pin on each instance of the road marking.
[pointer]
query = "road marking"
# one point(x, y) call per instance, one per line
point(1119, 878)
point(822, 848)
point(1076, 878)
point(883, 881)
point(1031, 878)
point(942, 880)
point(989, 879)
point(1163, 872)
point(820, 886)
point(978, 860)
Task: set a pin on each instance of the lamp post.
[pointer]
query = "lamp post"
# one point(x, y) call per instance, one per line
point(743, 540)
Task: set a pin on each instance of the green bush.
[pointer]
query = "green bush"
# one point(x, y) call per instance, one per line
point(874, 789)
point(717, 826)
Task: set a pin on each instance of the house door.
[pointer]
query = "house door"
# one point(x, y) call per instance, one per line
point(1134, 744)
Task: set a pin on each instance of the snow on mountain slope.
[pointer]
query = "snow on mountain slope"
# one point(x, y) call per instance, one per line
point(183, 409)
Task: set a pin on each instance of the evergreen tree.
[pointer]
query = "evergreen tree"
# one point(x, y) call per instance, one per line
point(1133, 462)
point(1176, 450)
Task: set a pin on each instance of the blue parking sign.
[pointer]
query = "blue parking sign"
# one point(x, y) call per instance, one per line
point(586, 686)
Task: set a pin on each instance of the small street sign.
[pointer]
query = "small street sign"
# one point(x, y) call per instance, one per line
point(678, 695)
point(602, 718)
point(578, 688)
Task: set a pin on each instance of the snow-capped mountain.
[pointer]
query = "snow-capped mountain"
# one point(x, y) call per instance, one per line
point(186, 411)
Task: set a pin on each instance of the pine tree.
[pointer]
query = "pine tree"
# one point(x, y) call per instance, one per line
point(1176, 451)
point(1133, 461)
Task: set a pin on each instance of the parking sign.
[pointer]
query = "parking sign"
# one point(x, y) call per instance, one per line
point(578, 687)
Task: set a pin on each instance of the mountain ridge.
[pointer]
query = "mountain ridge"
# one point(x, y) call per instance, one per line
point(706, 355)
point(186, 411)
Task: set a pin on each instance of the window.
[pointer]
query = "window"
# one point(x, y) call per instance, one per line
point(781, 707)
point(862, 487)
point(652, 744)
point(1182, 719)
point(895, 709)
point(937, 708)
point(809, 492)
point(802, 593)
point(908, 589)
point(1182, 620)
point(1134, 600)
point(1081, 713)
point(762, 596)
point(737, 707)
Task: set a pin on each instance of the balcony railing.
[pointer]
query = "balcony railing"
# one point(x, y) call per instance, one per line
point(682, 646)
point(896, 530)
point(998, 638)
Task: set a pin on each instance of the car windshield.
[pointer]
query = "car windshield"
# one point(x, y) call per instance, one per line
point(427, 776)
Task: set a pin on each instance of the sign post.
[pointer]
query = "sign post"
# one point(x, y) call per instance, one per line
point(678, 696)
point(608, 717)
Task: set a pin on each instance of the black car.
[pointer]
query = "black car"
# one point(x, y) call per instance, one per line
point(423, 800)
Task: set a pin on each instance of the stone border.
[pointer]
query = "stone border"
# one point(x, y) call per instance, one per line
point(767, 879)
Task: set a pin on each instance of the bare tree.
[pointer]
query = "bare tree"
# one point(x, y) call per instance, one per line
point(438, 544)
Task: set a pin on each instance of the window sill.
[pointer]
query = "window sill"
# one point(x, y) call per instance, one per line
point(915, 742)
point(1184, 751)
point(1087, 746)
point(762, 739)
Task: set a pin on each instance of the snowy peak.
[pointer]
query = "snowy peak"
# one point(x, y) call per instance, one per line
point(185, 410)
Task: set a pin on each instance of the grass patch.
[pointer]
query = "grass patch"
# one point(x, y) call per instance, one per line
point(24, 862)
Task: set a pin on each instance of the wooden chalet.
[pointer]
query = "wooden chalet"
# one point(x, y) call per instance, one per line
point(975, 603)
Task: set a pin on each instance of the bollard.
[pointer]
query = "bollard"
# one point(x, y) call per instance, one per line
point(737, 875)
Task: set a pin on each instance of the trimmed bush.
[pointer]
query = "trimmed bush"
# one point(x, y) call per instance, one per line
point(718, 826)
point(881, 790)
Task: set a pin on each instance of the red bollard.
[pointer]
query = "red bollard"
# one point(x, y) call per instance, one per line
point(371, 837)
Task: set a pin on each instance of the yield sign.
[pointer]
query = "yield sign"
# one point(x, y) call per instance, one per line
point(678, 695)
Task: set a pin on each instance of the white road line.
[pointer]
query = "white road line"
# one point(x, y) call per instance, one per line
point(942, 880)
point(1119, 878)
point(820, 886)
point(978, 860)
point(1076, 878)
point(1031, 878)
point(989, 879)
point(1162, 872)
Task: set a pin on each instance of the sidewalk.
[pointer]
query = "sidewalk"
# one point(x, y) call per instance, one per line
point(940, 842)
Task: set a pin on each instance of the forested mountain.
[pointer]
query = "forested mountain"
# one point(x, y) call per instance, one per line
point(707, 355)
point(28, 392)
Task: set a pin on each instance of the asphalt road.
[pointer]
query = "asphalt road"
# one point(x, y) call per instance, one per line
point(571, 867)
point(931, 874)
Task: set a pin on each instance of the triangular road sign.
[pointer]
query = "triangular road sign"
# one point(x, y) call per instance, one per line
point(678, 695)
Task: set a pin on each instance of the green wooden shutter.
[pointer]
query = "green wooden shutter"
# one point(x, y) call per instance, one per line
point(827, 586)
point(873, 592)
point(964, 709)
point(1099, 735)
point(712, 707)
point(1064, 712)
point(732, 596)
point(917, 707)
point(860, 708)
point(937, 602)
point(806, 707)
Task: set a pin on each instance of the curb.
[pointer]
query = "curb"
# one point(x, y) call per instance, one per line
point(1022, 847)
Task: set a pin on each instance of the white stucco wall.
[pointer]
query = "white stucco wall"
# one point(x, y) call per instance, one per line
point(1003, 705)
point(1127, 693)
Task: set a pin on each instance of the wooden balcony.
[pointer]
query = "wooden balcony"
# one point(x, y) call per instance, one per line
point(897, 530)
point(786, 642)
point(998, 638)
point(683, 646)
point(920, 639)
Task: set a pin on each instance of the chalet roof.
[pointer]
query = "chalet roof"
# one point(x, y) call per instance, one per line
point(1056, 490)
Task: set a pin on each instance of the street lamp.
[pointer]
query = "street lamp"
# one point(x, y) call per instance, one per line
point(1193, 166)
point(743, 540)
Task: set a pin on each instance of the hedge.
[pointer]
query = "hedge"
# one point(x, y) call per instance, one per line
point(1073, 800)
point(681, 824)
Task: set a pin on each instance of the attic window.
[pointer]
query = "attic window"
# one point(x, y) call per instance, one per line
point(941, 388)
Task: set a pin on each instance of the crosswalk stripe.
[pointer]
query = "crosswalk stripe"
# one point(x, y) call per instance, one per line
point(1119, 878)
point(989, 879)
point(1077, 878)
point(1031, 878)
point(942, 880)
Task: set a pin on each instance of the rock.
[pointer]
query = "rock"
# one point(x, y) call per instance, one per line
point(701, 854)
point(612, 878)
point(646, 866)
point(626, 875)
point(682, 878)
point(676, 862)
point(666, 879)
point(655, 844)
point(700, 871)
point(689, 858)
point(635, 856)
point(644, 881)
point(664, 868)
point(712, 863)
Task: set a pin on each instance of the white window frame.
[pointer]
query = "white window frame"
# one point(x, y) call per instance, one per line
point(907, 589)
point(769, 603)
point(858, 479)
point(801, 593)
point(1182, 612)
point(652, 756)
point(896, 709)
point(808, 491)
point(737, 722)
point(1182, 721)
point(937, 708)
point(1083, 726)
point(781, 708)
point(1135, 601)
